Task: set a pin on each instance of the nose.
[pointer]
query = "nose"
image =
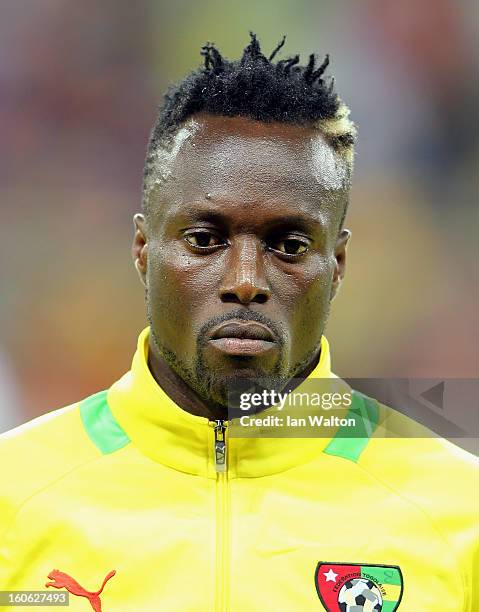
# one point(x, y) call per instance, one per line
point(245, 280)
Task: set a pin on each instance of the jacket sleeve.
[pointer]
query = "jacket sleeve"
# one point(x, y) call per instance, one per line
point(465, 539)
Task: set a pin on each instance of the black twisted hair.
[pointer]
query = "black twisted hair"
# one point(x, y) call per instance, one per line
point(255, 87)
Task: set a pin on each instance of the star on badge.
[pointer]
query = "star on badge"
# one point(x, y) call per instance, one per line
point(330, 576)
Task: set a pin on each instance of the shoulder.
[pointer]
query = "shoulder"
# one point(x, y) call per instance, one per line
point(409, 454)
point(436, 476)
point(38, 453)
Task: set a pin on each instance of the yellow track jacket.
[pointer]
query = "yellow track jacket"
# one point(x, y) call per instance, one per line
point(126, 502)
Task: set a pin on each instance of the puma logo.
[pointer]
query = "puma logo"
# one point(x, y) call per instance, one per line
point(60, 580)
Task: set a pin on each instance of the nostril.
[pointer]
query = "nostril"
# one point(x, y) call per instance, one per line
point(261, 298)
point(243, 297)
point(229, 297)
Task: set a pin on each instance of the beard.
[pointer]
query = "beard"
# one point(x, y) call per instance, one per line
point(219, 388)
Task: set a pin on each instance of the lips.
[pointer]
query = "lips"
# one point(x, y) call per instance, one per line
point(243, 338)
point(244, 331)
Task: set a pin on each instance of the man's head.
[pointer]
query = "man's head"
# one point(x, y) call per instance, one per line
point(241, 243)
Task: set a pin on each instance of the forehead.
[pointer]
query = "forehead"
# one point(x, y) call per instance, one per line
point(235, 158)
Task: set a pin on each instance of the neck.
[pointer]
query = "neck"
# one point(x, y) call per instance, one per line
point(185, 397)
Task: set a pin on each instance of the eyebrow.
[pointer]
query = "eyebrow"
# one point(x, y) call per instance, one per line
point(198, 213)
point(303, 222)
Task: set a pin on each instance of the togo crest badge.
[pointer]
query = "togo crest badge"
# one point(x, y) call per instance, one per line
point(358, 587)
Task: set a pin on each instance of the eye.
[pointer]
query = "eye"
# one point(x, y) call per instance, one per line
point(291, 246)
point(203, 239)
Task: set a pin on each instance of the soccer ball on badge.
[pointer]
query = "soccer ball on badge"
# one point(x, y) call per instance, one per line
point(360, 595)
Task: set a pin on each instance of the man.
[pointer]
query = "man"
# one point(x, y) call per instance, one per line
point(139, 497)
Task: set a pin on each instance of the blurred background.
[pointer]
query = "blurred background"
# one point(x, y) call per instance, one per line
point(79, 87)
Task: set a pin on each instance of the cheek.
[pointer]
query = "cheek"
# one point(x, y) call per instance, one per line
point(304, 292)
point(166, 293)
point(176, 292)
point(309, 284)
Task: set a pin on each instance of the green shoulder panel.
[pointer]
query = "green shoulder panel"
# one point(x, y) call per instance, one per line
point(101, 426)
point(349, 442)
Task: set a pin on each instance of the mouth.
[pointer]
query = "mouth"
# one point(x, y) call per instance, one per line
point(243, 338)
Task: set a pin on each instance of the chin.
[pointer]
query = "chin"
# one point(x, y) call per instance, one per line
point(222, 388)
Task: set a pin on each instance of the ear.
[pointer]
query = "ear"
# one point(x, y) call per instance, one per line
point(139, 248)
point(340, 260)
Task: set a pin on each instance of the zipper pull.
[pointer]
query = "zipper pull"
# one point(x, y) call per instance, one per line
point(220, 446)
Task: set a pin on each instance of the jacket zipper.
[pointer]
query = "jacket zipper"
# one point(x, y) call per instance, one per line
point(222, 518)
